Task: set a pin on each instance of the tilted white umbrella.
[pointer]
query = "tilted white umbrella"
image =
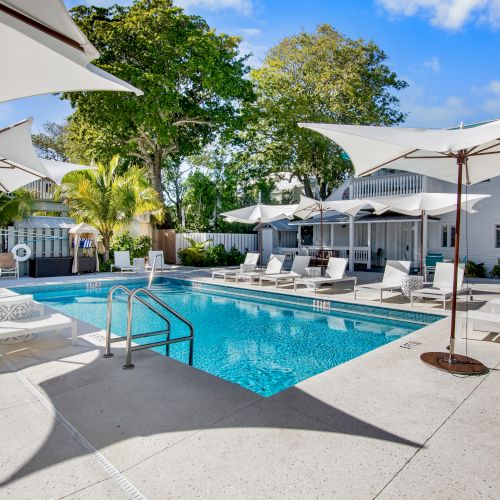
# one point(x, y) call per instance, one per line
point(309, 208)
point(43, 51)
point(462, 155)
point(259, 214)
point(19, 165)
point(422, 204)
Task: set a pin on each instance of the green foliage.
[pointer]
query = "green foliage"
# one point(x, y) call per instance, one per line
point(473, 270)
point(108, 200)
point(495, 271)
point(316, 77)
point(192, 78)
point(200, 256)
point(16, 206)
point(138, 246)
point(52, 142)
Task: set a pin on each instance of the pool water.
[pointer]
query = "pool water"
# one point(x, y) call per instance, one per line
point(257, 342)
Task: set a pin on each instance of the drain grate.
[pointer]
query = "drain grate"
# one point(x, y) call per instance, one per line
point(410, 345)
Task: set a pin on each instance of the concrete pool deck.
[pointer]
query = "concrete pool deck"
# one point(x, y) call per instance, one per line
point(383, 425)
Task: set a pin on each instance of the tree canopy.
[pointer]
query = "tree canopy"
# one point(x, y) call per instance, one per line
point(192, 79)
point(317, 77)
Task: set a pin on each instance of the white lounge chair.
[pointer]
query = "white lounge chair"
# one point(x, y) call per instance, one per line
point(251, 259)
point(334, 273)
point(9, 266)
point(394, 271)
point(156, 258)
point(298, 271)
point(274, 266)
point(48, 323)
point(442, 284)
point(122, 262)
point(485, 319)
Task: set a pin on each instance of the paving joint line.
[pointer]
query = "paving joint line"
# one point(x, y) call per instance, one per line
point(112, 471)
point(430, 437)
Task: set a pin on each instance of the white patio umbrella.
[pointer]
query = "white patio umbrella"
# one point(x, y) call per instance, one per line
point(462, 155)
point(259, 214)
point(19, 165)
point(43, 51)
point(58, 169)
point(309, 208)
point(422, 204)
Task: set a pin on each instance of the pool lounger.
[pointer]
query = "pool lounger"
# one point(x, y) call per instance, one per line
point(251, 259)
point(394, 271)
point(442, 284)
point(298, 270)
point(274, 266)
point(335, 273)
point(40, 324)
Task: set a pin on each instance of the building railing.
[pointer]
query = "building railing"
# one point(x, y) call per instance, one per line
point(42, 189)
point(386, 185)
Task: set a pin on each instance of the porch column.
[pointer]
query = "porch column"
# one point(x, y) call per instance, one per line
point(331, 234)
point(424, 242)
point(299, 235)
point(351, 243)
point(415, 242)
point(369, 263)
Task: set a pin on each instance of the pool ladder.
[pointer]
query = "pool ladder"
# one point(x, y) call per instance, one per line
point(133, 296)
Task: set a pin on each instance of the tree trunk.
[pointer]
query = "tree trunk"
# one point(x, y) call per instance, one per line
point(106, 241)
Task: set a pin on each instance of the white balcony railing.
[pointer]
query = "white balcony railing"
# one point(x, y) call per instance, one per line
point(386, 185)
point(42, 189)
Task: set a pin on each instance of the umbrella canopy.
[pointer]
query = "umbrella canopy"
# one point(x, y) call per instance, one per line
point(462, 155)
point(51, 54)
point(309, 207)
point(58, 169)
point(19, 165)
point(259, 213)
point(427, 203)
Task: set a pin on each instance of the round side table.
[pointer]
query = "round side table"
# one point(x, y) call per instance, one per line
point(411, 283)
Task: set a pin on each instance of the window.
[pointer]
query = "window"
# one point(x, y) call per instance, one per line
point(448, 236)
point(497, 235)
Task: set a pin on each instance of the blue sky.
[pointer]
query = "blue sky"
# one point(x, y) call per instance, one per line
point(447, 50)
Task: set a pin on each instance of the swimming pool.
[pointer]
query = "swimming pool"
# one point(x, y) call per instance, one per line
point(263, 341)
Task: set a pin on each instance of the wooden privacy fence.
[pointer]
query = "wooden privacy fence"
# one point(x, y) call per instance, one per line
point(171, 242)
point(43, 242)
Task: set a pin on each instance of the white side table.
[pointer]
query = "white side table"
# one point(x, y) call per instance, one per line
point(139, 263)
point(313, 272)
point(411, 283)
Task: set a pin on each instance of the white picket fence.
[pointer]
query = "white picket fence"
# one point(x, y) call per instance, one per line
point(243, 242)
point(43, 242)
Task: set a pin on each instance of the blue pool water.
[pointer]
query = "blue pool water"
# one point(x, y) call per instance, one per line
point(259, 342)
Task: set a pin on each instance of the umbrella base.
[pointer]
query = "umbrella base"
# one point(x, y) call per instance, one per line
point(460, 365)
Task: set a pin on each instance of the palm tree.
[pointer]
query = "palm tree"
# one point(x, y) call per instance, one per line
point(16, 206)
point(108, 200)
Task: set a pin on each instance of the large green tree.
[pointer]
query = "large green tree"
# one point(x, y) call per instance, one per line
point(108, 199)
point(316, 77)
point(192, 79)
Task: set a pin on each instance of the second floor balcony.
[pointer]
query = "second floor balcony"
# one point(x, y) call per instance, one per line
point(386, 185)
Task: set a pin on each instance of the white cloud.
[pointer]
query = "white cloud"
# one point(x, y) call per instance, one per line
point(241, 6)
point(432, 64)
point(447, 14)
point(255, 32)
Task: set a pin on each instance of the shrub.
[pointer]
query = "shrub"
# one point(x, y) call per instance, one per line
point(194, 254)
point(215, 256)
point(138, 247)
point(473, 270)
point(235, 257)
point(495, 272)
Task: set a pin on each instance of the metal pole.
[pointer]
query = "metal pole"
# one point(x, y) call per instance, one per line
point(422, 243)
point(128, 347)
point(107, 350)
point(321, 235)
point(460, 162)
point(260, 244)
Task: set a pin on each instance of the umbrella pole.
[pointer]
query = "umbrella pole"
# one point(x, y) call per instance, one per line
point(321, 236)
point(422, 244)
point(260, 244)
point(451, 362)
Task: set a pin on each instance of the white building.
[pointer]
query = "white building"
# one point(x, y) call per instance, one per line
point(393, 236)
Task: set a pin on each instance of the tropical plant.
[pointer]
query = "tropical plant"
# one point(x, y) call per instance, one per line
point(495, 271)
point(194, 254)
point(137, 247)
point(474, 270)
point(193, 80)
point(16, 206)
point(108, 199)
